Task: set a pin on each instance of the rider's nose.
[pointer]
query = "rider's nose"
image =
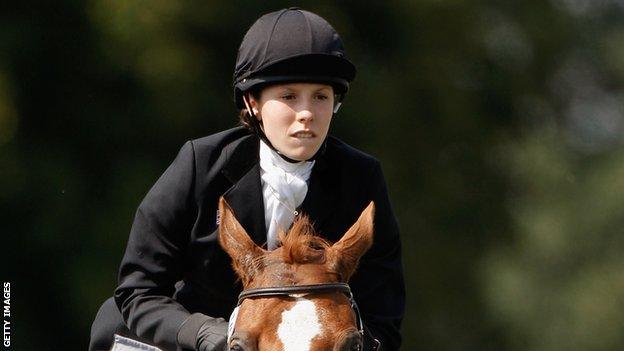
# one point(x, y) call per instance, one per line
point(305, 116)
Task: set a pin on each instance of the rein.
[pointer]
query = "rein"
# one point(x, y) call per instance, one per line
point(298, 291)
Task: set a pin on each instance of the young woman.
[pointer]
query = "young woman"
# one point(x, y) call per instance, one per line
point(176, 285)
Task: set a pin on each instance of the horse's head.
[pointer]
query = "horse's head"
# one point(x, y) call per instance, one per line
point(319, 318)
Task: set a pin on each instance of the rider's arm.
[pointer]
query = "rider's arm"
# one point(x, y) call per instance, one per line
point(153, 262)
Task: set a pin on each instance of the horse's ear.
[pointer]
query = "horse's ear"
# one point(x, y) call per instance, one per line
point(237, 243)
point(346, 253)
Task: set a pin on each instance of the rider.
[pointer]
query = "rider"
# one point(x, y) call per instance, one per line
point(176, 285)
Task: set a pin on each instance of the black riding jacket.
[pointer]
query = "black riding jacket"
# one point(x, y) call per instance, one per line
point(173, 265)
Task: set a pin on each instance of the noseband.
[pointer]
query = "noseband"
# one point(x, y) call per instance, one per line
point(301, 290)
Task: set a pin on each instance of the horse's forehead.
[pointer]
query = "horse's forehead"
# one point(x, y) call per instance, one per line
point(299, 325)
point(279, 273)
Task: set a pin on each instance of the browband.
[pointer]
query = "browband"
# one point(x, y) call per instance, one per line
point(296, 289)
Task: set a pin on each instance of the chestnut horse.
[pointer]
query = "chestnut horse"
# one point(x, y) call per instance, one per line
point(296, 297)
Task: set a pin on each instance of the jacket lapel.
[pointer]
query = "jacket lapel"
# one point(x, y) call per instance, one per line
point(319, 203)
point(245, 197)
point(242, 169)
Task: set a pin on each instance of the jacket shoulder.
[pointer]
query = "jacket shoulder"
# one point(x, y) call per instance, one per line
point(229, 149)
point(211, 146)
point(348, 155)
point(220, 139)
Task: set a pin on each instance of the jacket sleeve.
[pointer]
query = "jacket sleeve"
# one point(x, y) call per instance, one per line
point(378, 282)
point(153, 260)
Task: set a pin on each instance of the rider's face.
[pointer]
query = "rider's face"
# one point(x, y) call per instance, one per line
point(295, 117)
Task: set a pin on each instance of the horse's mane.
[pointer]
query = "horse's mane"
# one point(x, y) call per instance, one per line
point(301, 244)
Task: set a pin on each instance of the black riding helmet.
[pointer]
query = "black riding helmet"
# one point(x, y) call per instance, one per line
point(290, 45)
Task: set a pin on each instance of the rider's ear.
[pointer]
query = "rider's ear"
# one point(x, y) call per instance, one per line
point(238, 245)
point(346, 253)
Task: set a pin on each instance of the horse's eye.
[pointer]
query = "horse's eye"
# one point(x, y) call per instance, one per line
point(236, 347)
point(356, 345)
point(351, 342)
point(351, 345)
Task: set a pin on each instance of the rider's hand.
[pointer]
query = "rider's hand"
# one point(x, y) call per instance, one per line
point(203, 333)
point(212, 336)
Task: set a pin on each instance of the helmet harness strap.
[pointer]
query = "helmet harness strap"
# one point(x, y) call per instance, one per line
point(258, 129)
point(338, 103)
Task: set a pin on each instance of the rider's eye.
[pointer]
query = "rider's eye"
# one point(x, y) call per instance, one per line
point(322, 97)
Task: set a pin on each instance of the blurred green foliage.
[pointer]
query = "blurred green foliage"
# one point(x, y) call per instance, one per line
point(500, 126)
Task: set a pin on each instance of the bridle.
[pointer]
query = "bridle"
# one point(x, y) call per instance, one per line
point(298, 291)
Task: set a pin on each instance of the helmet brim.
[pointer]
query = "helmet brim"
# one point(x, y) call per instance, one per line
point(309, 68)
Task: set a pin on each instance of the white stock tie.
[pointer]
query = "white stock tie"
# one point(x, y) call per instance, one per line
point(284, 186)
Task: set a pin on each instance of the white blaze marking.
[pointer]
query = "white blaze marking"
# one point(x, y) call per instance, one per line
point(299, 326)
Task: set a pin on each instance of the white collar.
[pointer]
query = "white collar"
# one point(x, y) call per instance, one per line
point(269, 155)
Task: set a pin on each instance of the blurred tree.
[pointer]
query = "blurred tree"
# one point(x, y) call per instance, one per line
point(559, 284)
